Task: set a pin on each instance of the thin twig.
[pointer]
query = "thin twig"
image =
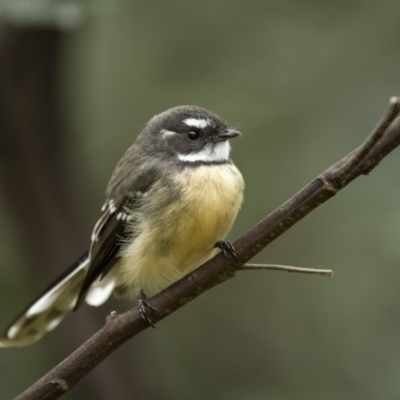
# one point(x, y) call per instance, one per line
point(219, 269)
point(339, 176)
point(276, 267)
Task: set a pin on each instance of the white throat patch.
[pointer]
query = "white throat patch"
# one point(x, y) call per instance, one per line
point(211, 153)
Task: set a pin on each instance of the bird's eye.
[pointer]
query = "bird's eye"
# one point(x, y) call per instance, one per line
point(193, 135)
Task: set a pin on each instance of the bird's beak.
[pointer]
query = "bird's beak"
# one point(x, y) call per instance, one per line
point(227, 134)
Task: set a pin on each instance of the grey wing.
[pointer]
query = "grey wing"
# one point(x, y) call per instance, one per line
point(109, 234)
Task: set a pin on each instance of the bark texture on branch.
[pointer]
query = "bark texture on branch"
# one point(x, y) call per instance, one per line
point(120, 328)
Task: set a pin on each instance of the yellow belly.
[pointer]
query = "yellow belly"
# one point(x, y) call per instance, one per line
point(184, 236)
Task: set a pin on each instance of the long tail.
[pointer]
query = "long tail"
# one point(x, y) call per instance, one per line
point(50, 308)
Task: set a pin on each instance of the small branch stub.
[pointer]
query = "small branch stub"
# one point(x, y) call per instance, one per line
point(61, 384)
point(110, 317)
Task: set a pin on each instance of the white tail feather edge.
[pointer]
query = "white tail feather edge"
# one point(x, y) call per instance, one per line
point(51, 308)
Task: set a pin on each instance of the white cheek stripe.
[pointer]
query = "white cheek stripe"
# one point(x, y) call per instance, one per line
point(166, 133)
point(197, 122)
point(211, 153)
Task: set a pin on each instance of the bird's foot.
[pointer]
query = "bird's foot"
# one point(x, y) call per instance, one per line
point(144, 307)
point(226, 247)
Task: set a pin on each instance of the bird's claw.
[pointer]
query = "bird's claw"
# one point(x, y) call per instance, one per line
point(144, 306)
point(227, 247)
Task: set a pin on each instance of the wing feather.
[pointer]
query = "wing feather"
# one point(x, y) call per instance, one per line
point(105, 248)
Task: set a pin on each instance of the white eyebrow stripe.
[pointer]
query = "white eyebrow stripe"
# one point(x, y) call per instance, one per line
point(211, 153)
point(197, 122)
point(166, 133)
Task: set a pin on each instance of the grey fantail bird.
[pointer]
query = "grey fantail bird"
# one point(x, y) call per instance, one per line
point(171, 201)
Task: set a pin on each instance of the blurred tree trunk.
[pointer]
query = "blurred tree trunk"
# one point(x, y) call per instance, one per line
point(33, 151)
point(35, 163)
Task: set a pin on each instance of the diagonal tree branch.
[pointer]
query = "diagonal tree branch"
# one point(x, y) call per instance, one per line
point(119, 328)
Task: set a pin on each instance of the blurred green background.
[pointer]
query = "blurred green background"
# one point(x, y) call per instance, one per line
point(305, 82)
